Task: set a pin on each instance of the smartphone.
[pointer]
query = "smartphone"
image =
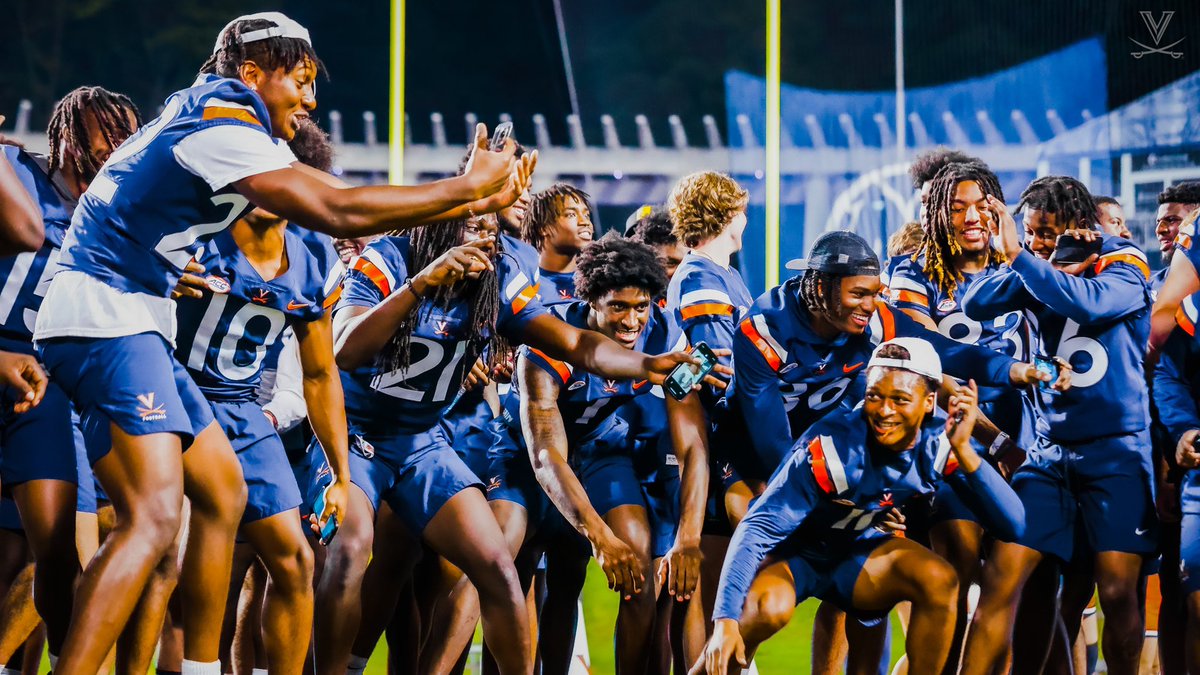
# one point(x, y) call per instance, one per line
point(331, 525)
point(685, 375)
point(1046, 365)
point(500, 136)
point(1068, 250)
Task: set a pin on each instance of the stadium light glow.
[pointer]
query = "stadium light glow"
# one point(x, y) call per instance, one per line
point(396, 97)
point(772, 143)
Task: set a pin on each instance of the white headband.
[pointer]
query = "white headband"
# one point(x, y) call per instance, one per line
point(284, 27)
point(923, 359)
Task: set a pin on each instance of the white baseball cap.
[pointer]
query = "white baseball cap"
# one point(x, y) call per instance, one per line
point(284, 27)
point(922, 358)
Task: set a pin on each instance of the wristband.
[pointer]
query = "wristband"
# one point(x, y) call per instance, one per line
point(1002, 440)
point(414, 292)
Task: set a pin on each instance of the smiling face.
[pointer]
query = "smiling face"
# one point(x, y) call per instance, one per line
point(1111, 219)
point(896, 403)
point(511, 216)
point(855, 306)
point(288, 93)
point(622, 314)
point(969, 217)
point(572, 229)
point(1041, 232)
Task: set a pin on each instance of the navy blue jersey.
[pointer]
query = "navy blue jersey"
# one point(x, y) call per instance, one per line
point(227, 338)
point(586, 401)
point(1099, 322)
point(412, 399)
point(1177, 374)
point(27, 275)
point(556, 286)
point(707, 300)
point(525, 256)
point(168, 188)
point(786, 377)
point(913, 290)
point(649, 440)
point(835, 488)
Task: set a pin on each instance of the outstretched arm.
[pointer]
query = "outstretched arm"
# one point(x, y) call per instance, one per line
point(680, 568)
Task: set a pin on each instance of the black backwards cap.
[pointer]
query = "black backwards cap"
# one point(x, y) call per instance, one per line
point(839, 253)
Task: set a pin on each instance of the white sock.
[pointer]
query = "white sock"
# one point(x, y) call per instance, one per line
point(357, 665)
point(200, 668)
point(258, 671)
point(53, 661)
point(5, 670)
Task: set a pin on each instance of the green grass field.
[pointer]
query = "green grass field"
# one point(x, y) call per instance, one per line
point(788, 652)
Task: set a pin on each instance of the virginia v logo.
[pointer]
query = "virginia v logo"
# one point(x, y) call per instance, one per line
point(1157, 28)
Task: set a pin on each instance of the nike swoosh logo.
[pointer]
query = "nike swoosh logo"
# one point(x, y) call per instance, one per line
point(1139, 531)
point(851, 369)
point(292, 304)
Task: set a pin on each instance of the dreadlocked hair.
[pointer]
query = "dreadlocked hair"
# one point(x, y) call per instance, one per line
point(1065, 197)
point(270, 54)
point(68, 125)
point(819, 291)
point(426, 244)
point(939, 244)
point(545, 207)
point(614, 263)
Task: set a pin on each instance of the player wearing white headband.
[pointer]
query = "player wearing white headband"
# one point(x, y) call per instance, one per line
point(107, 328)
point(816, 525)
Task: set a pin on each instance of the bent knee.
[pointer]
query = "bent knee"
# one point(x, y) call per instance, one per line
point(293, 569)
point(772, 610)
point(938, 584)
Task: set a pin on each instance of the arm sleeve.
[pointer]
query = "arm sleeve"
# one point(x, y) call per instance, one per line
point(756, 390)
point(287, 396)
point(226, 153)
point(990, 498)
point(986, 366)
point(519, 303)
point(1102, 298)
point(994, 295)
point(908, 290)
point(789, 498)
point(1172, 391)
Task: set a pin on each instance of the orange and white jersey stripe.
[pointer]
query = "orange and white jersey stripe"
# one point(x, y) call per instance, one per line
point(755, 328)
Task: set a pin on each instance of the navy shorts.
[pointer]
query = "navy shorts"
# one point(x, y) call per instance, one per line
point(1104, 486)
point(10, 518)
point(947, 505)
point(467, 430)
point(270, 482)
point(662, 507)
point(416, 474)
point(133, 381)
point(38, 444)
point(86, 495)
point(833, 578)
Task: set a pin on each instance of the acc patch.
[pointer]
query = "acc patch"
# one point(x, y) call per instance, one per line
point(947, 305)
point(216, 284)
point(575, 385)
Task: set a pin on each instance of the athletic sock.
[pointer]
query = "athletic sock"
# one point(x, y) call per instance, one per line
point(201, 668)
point(1093, 655)
point(5, 670)
point(53, 661)
point(357, 665)
point(258, 671)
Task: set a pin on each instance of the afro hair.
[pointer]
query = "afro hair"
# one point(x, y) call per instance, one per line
point(615, 262)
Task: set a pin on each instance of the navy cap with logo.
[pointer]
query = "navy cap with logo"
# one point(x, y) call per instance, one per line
point(839, 253)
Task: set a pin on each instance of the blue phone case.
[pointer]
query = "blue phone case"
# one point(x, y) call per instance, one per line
point(331, 525)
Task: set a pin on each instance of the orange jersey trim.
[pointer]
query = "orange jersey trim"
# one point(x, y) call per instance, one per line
point(901, 295)
point(219, 113)
point(761, 345)
point(1127, 258)
point(523, 299)
point(373, 273)
point(888, 321)
point(1185, 322)
point(332, 298)
point(819, 469)
point(558, 366)
point(706, 309)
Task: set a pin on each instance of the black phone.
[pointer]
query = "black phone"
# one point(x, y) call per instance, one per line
point(500, 136)
point(1068, 250)
point(685, 375)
